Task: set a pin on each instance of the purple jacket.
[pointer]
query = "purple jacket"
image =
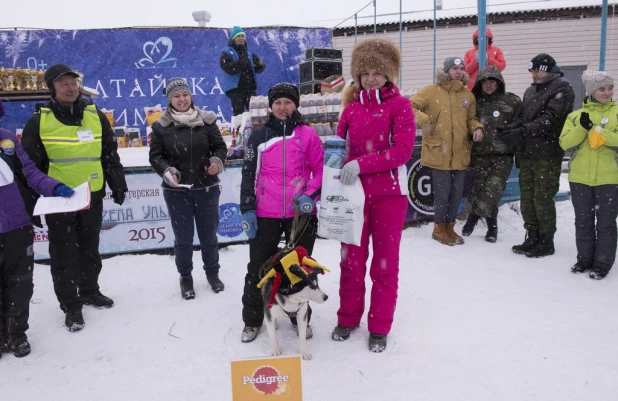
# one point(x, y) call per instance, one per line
point(381, 131)
point(13, 213)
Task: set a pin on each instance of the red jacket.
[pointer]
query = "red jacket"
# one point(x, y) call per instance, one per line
point(381, 131)
point(494, 57)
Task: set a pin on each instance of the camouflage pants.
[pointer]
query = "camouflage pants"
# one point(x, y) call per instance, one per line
point(490, 176)
point(539, 181)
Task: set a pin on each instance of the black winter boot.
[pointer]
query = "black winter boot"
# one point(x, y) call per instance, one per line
point(599, 271)
point(186, 287)
point(215, 283)
point(580, 267)
point(543, 247)
point(492, 229)
point(377, 342)
point(74, 320)
point(96, 299)
point(532, 237)
point(468, 228)
point(341, 333)
point(20, 348)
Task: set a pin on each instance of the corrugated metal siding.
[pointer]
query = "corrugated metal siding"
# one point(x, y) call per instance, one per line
point(570, 42)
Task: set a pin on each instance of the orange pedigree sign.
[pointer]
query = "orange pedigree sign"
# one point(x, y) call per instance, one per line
point(267, 379)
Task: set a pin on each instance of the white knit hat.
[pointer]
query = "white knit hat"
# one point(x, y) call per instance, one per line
point(593, 80)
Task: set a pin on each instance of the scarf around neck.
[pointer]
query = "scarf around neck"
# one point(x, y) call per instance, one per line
point(190, 118)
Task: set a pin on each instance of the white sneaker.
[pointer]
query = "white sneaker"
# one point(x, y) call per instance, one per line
point(249, 334)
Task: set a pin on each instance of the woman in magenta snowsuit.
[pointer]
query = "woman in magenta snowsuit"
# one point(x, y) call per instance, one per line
point(380, 129)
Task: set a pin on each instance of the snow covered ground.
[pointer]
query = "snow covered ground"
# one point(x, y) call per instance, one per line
point(474, 322)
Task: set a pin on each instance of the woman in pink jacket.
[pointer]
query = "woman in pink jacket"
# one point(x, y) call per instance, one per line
point(283, 161)
point(379, 126)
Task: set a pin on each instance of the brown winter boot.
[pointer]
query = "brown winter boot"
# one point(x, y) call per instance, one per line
point(441, 234)
point(457, 239)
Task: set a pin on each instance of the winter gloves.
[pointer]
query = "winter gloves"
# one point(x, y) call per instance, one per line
point(63, 190)
point(584, 121)
point(512, 136)
point(249, 223)
point(305, 204)
point(349, 173)
point(118, 197)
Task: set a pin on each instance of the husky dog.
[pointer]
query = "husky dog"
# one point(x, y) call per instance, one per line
point(295, 304)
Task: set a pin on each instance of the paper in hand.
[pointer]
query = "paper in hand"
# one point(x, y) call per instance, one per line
point(170, 179)
point(80, 200)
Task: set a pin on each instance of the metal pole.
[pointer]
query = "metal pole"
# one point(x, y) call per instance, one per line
point(603, 36)
point(434, 41)
point(355, 27)
point(400, 42)
point(374, 18)
point(482, 8)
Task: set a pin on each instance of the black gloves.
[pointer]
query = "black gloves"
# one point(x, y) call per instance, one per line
point(584, 121)
point(118, 197)
point(513, 136)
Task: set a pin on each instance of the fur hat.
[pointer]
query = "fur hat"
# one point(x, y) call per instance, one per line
point(378, 54)
point(450, 62)
point(175, 85)
point(283, 89)
point(593, 80)
point(237, 31)
point(542, 62)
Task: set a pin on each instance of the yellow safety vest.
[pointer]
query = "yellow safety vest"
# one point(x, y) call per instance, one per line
point(72, 161)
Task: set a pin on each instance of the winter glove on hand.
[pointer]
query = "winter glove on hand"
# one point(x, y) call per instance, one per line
point(349, 173)
point(508, 127)
point(513, 137)
point(584, 121)
point(249, 224)
point(118, 197)
point(173, 172)
point(305, 204)
point(63, 190)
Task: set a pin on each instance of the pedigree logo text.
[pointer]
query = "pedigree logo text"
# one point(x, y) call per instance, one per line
point(267, 379)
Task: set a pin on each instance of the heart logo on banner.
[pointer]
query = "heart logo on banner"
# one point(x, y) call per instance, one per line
point(157, 54)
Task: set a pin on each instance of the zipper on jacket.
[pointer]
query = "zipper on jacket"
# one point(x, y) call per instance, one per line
point(284, 175)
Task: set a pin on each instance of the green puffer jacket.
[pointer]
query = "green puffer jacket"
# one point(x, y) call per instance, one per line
point(589, 166)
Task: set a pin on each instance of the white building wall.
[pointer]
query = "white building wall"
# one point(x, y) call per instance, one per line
point(570, 42)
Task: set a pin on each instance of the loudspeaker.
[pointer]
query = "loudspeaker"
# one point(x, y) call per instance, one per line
point(323, 54)
point(310, 87)
point(317, 70)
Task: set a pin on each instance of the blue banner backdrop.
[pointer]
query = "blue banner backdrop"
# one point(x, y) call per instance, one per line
point(129, 67)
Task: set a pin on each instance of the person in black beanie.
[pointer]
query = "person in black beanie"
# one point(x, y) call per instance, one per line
point(240, 66)
point(269, 212)
point(545, 108)
point(72, 141)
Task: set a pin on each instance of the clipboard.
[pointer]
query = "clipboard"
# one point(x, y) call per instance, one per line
point(80, 200)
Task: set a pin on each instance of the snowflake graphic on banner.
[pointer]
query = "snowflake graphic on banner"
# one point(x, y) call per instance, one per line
point(16, 42)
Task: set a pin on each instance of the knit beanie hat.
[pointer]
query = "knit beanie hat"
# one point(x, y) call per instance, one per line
point(542, 62)
point(174, 85)
point(593, 80)
point(379, 54)
point(237, 31)
point(283, 89)
point(450, 62)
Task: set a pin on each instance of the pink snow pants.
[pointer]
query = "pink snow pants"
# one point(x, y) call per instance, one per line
point(384, 218)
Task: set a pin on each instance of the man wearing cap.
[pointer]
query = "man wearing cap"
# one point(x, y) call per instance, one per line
point(446, 114)
point(240, 66)
point(73, 142)
point(546, 105)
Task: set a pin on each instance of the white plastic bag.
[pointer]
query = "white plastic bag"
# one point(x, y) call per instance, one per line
point(341, 208)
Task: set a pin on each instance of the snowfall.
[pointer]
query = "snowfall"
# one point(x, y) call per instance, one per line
point(473, 322)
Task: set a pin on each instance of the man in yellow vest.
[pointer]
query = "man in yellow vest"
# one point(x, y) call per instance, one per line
point(72, 141)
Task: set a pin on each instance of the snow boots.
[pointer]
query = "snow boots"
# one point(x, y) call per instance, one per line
point(468, 228)
point(457, 239)
point(186, 287)
point(581, 267)
point(74, 320)
point(492, 229)
point(249, 334)
point(341, 333)
point(20, 348)
point(215, 283)
point(96, 299)
point(377, 342)
point(543, 247)
point(599, 271)
point(442, 234)
point(532, 237)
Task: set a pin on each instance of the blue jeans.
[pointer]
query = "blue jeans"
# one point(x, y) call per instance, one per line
point(189, 209)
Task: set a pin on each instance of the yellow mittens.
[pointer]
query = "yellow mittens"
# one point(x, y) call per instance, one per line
point(595, 139)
